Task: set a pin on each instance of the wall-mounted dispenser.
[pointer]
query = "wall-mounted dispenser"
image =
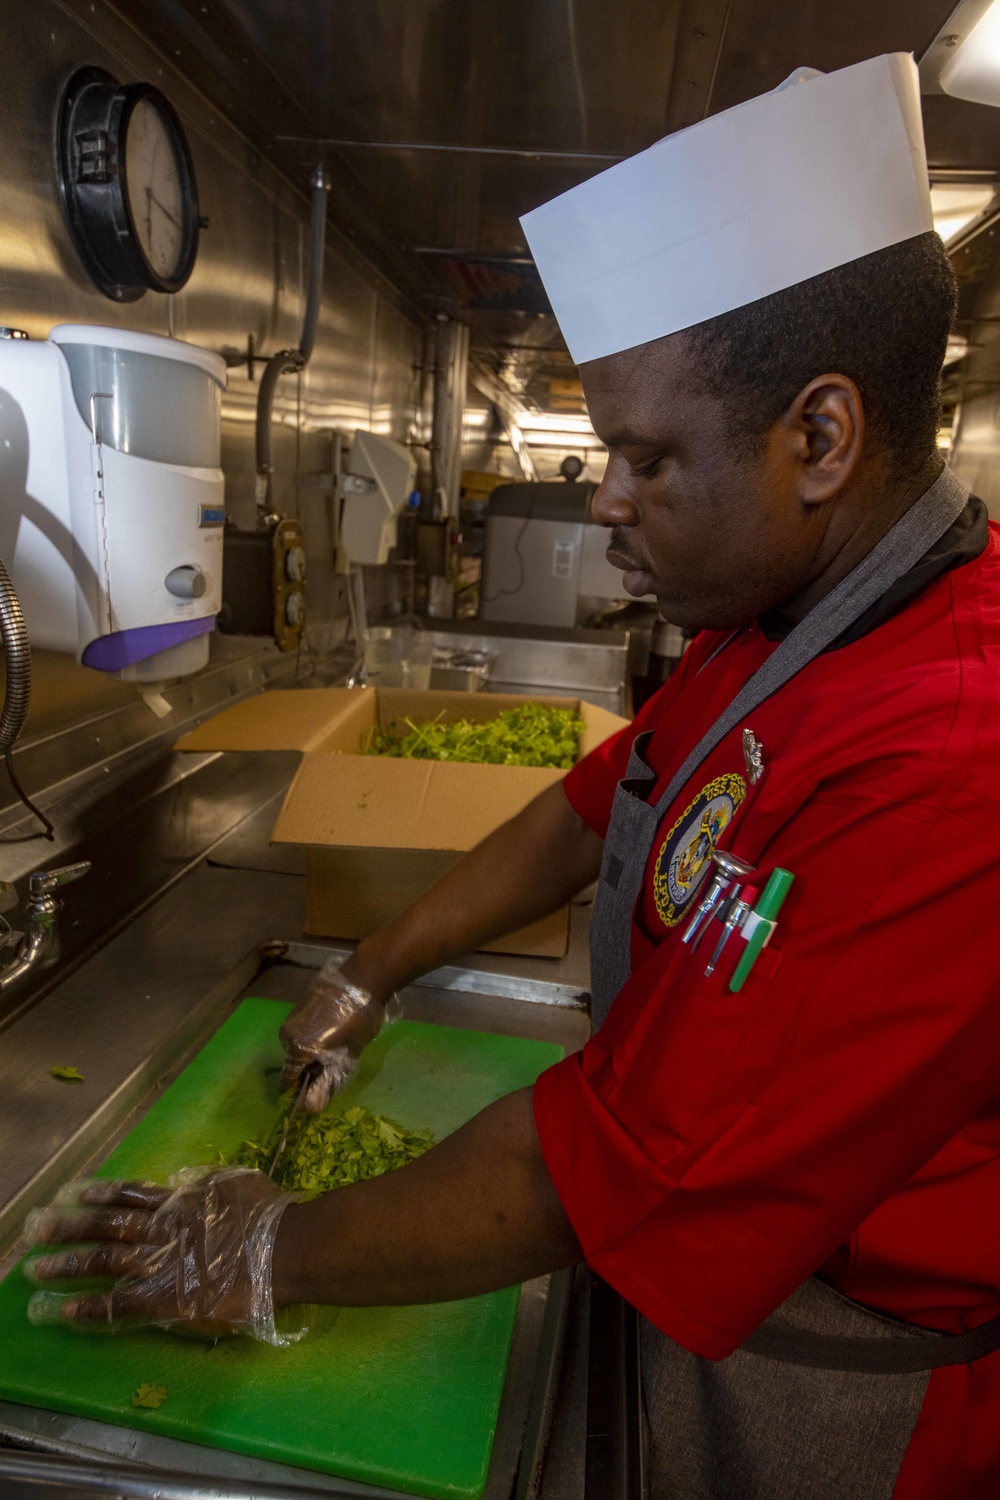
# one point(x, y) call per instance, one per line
point(374, 489)
point(111, 496)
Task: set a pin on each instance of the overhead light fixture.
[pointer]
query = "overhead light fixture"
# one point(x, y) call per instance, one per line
point(956, 205)
point(552, 429)
point(964, 58)
point(973, 70)
point(547, 421)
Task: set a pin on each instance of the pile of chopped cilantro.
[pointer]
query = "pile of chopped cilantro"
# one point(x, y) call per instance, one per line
point(330, 1150)
point(531, 735)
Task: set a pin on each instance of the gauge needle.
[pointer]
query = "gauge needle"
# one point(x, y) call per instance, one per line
point(154, 202)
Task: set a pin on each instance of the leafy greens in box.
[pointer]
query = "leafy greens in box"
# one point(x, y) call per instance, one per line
point(532, 735)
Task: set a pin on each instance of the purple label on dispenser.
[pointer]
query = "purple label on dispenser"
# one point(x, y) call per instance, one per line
point(110, 653)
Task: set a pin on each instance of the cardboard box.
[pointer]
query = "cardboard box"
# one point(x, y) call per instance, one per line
point(378, 831)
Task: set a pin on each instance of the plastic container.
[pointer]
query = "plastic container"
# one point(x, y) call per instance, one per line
point(398, 657)
point(418, 659)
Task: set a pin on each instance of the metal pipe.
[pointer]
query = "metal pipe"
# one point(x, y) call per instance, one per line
point(314, 286)
point(30, 957)
point(499, 258)
point(514, 153)
point(291, 361)
point(451, 359)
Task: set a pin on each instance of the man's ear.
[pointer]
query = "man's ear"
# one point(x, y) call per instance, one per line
point(825, 426)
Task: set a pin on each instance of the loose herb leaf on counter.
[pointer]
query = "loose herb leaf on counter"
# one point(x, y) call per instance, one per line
point(332, 1150)
point(531, 735)
point(150, 1396)
point(68, 1075)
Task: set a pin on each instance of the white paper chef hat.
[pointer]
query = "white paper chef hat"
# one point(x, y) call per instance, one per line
point(827, 168)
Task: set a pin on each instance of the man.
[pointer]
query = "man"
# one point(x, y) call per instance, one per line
point(773, 478)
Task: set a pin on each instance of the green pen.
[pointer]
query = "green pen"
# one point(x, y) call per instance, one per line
point(761, 923)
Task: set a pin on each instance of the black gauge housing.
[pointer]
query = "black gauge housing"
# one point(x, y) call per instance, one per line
point(91, 133)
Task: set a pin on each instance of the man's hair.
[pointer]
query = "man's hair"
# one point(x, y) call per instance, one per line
point(882, 320)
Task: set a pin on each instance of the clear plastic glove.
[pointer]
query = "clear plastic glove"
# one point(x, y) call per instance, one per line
point(332, 1027)
point(194, 1256)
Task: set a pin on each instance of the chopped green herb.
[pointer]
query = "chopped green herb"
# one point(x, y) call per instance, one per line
point(69, 1075)
point(531, 735)
point(150, 1396)
point(332, 1150)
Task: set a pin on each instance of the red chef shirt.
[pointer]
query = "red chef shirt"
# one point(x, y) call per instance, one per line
point(841, 1112)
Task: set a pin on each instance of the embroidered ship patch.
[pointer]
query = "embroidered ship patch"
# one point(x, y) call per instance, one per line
point(687, 849)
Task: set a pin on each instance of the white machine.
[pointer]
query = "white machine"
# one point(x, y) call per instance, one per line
point(111, 496)
point(544, 559)
point(380, 475)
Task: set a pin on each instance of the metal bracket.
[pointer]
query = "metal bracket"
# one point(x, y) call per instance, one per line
point(93, 157)
point(963, 18)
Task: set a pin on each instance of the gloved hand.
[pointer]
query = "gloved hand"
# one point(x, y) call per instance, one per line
point(194, 1256)
point(332, 1027)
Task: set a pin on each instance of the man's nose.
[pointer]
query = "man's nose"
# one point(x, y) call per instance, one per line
point(611, 504)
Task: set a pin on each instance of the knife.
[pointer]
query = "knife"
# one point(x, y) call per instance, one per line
point(309, 1077)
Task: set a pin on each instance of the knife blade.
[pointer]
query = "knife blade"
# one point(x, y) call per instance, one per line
point(308, 1078)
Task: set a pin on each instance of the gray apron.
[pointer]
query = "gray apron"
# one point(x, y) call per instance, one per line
point(752, 1427)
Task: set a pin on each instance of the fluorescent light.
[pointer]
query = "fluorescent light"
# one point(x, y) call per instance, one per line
point(557, 429)
point(956, 205)
point(572, 440)
point(554, 421)
point(974, 70)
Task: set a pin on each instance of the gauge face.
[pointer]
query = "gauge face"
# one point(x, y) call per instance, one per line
point(154, 182)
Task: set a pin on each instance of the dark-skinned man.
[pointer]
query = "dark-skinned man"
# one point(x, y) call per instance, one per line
point(801, 1167)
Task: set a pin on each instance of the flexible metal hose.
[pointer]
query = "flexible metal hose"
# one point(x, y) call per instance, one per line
point(17, 656)
point(282, 363)
point(289, 361)
point(17, 687)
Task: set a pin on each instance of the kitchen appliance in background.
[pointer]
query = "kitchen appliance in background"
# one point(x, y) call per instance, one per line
point(374, 489)
point(544, 557)
point(111, 496)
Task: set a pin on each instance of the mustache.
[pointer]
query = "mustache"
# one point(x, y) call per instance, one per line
point(624, 554)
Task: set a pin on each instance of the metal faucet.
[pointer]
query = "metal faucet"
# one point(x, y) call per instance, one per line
point(43, 947)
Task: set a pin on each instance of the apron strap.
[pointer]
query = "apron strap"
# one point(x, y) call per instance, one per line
point(780, 1340)
point(902, 546)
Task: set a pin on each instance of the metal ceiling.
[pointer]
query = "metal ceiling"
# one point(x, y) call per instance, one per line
point(443, 120)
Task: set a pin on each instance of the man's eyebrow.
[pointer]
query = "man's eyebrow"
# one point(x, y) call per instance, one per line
point(627, 437)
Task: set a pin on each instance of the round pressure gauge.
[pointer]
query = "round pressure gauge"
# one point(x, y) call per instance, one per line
point(127, 184)
point(295, 610)
point(295, 564)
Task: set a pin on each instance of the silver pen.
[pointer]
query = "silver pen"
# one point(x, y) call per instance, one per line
point(730, 868)
point(739, 908)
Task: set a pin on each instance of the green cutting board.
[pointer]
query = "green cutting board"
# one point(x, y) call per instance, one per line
point(405, 1397)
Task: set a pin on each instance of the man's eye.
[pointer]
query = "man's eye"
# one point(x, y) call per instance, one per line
point(648, 470)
